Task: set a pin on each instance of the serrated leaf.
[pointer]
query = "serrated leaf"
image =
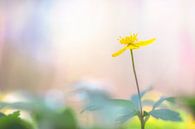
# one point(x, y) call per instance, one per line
point(166, 114)
point(161, 100)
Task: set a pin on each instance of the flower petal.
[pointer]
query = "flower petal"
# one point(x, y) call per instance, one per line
point(124, 40)
point(120, 51)
point(145, 42)
point(128, 39)
point(133, 46)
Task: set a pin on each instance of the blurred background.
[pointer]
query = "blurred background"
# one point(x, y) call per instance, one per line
point(52, 44)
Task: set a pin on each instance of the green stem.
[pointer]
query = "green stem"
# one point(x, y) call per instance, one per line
point(141, 117)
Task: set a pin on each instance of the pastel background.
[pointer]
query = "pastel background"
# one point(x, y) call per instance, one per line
point(53, 44)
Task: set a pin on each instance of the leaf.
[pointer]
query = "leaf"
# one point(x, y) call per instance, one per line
point(125, 117)
point(66, 120)
point(1, 114)
point(14, 114)
point(147, 103)
point(146, 115)
point(13, 121)
point(135, 98)
point(91, 108)
point(95, 100)
point(127, 109)
point(17, 105)
point(161, 100)
point(145, 91)
point(123, 103)
point(166, 114)
point(189, 102)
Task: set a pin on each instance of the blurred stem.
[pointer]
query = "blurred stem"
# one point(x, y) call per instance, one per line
point(141, 117)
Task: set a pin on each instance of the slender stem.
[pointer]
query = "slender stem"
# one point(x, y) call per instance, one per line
point(138, 90)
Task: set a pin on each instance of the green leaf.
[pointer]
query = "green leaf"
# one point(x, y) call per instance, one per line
point(15, 114)
point(91, 108)
point(66, 120)
point(125, 117)
point(123, 103)
point(161, 100)
point(148, 102)
point(95, 100)
point(13, 121)
point(145, 91)
point(189, 102)
point(127, 109)
point(17, 105)
point(1, 114)
point(125, 106)
point(135, 98)
point(146, 115)
point(166, 114)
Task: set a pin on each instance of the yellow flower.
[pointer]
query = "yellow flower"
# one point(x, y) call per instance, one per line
point(131, 43)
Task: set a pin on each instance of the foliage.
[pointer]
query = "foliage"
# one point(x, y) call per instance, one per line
point(44, 116)
point(121, 110)
point(116, 110)
point(12, 121)
point(189, 102)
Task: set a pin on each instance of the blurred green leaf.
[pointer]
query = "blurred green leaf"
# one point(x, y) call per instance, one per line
point(18, 105)
point(95, 99)
point(166, 114)
point(135, 98)
point(161, 100)
point(90, 108)
point(55, 119)
point(126, 117)
point(189, 102)
point(146, 115)
point(66, 120)
point(123, 103)
point(127, 109)
point(15, 114)
point(1, 114)
point(13, 121)
point(148, 102)
point(113, 110)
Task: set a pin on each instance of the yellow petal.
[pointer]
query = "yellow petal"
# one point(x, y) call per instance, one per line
point(133, 46)
point(124, 40)
point(128, 39)
point(120, 51)
point(145, 42)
